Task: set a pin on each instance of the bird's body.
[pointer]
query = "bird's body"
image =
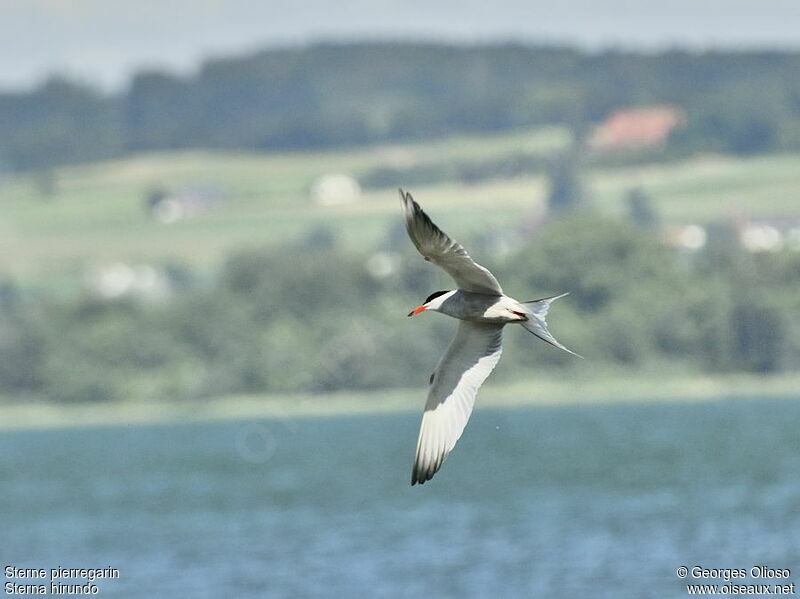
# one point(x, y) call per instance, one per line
point(482, 308)
point(483, 311)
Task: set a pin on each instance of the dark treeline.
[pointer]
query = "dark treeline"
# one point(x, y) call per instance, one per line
point(345, 94)
point(316, 318)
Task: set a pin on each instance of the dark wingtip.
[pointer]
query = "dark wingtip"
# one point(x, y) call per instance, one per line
point(422, 475)
point(419, 476)
point(406, 199)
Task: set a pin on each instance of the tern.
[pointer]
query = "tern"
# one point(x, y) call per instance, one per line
point(483, 310)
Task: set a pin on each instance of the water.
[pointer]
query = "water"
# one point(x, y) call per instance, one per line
point(580, 501)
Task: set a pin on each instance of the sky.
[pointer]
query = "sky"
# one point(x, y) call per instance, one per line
point(104, 41)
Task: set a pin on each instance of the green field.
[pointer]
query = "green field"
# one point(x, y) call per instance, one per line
point(96, 213)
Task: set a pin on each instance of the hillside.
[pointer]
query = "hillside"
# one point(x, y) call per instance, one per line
point(97, 213)
point(347, 94)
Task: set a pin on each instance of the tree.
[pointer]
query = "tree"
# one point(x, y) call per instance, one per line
point(566, 187)
point(640, 208)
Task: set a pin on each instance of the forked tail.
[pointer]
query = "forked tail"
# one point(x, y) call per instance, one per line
point(537, 325)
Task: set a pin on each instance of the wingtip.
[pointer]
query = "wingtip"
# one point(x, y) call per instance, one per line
point(419, 479)
point(422, 472)
point(407, 201)
point(415, 477)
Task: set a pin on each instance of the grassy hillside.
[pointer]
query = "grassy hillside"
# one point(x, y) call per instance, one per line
point(96, 212)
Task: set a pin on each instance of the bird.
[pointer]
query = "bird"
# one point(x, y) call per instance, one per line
point(483, 310)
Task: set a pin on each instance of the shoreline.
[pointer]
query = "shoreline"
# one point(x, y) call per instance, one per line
point(542, 392)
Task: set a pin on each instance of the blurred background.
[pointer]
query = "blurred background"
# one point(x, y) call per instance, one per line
point(207, 379)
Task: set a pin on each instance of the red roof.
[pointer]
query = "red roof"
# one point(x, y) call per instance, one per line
point(637, 127)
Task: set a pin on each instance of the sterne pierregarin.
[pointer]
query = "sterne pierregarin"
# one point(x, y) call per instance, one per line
point(483, 310)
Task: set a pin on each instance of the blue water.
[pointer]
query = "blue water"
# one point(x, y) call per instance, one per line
point(580, 501)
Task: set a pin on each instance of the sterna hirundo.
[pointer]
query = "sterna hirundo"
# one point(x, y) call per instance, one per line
point(483, 310)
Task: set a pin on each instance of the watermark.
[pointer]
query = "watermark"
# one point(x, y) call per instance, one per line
point(257, 442)
point(24, 582)
point(755, 580)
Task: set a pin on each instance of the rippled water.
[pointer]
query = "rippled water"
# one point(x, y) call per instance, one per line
point(600, 501)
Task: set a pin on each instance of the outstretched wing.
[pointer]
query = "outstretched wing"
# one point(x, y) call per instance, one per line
point(471, 357)
point(437, 247)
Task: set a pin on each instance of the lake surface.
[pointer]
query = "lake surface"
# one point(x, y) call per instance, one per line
point(578, 501)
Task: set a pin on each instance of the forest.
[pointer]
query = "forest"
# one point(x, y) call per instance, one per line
point(345, 94)
point(314, 317)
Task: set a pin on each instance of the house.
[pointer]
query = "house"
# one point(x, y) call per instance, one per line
point(689, 237)
point(768, 234)
point(637, 128)
point(335, 190)
point(168, 208)
point(118, 280)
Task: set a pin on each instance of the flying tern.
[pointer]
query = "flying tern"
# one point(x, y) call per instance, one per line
point(483, 311)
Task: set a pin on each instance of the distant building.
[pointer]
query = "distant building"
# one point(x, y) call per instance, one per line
point(120, 280)
point(168, 208)
point(335, 190)
point(635, 128)
point(768, 234)
point(691, 237)
point(753, 235)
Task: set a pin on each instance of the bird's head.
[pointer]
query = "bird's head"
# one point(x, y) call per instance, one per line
point(433, 302)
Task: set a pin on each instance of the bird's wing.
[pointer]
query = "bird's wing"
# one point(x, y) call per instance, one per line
point(437, 247)
point(471, 357)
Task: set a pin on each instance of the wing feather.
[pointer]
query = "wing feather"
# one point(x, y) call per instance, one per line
point(446, 253)
point(471, 357)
